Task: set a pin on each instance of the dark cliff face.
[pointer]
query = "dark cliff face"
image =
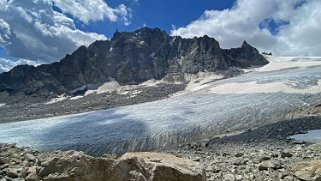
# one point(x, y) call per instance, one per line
point(129, 58)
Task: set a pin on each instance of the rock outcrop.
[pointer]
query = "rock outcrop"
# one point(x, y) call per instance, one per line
point(128, 58)
point(26, 164)
point(307, 170)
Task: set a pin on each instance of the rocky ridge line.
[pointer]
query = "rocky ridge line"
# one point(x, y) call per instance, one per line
point(128, 58)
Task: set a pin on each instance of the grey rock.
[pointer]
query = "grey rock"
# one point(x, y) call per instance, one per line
point(32, 177)
point(229, 177)
point(12, 173)
point(30, 157)
point(317, 178)
point(265, 165)
point(285, 154)
point(238, 177)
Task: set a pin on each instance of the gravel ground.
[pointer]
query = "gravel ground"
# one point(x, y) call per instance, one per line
point(32, 108)
point(264, 153)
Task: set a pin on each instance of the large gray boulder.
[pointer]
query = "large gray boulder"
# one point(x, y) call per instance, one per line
point(151, 166)
point(145, 166)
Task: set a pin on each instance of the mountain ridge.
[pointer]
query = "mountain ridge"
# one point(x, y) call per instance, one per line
point(128, 58)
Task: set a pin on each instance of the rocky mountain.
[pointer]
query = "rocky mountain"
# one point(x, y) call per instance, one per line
point(129, 58)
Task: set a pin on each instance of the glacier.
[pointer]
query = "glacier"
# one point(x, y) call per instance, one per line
point(259, 97)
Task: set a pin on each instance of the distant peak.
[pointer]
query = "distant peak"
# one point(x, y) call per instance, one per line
point(245, 44)
point(148, 29)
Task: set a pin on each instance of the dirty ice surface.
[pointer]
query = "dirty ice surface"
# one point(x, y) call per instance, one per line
point(261, 96)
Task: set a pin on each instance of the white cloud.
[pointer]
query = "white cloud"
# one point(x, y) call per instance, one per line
point(6, 65)
point(245, 21)
point(33, 30)
point(93, 10)
point(5, 32)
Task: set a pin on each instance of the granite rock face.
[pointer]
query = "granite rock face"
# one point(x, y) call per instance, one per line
point(76, 166)
point(128, 58)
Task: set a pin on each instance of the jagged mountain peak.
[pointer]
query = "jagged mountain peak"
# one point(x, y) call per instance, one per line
point(130, 58)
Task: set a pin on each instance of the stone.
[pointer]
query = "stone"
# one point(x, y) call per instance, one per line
point(239, 154)
point(75, 165)
point(3, 160)
point(229, 177)
point(306, 170)
point(285, 155)
point(265, 165)
point(169, 167)
point(238, 177)
point(32, 177)
point(264, 158)
point(288, 178)
point(59, 177)
point(30, 157)
point(12, 173)
point(317, 178)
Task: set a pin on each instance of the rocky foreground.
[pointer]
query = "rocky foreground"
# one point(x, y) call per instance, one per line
point(26, 164)
point(250, 162)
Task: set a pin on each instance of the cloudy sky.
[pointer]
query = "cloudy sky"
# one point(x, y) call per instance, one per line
point(43, 31)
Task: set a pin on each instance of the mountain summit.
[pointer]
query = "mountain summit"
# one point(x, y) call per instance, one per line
point(128, 58)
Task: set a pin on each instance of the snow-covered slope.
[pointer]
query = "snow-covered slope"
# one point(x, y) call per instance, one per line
point(259, 97)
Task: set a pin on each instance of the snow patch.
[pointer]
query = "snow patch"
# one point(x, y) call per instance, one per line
point(113, 86)
point(2, 104)
point(76, 97)
point(142, 42)
point(57, 99)
point(254, 87)
point(198, 81)
point(279, 63)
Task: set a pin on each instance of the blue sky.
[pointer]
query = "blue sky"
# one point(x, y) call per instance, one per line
point(43, 31)
point(154, 13)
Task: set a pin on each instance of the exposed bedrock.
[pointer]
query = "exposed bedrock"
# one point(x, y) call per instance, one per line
point(26, 164)
point(128, 58)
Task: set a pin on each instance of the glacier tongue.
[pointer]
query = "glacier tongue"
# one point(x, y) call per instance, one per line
point(188, 117)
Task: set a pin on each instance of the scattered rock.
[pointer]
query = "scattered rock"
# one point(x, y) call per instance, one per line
point(285, 154)
point(265, 165)
point(229, 177)
point(30, 157)
point(12, 173)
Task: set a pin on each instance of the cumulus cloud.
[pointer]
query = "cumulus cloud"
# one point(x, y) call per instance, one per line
point(288, 27)
point(33, 30)
point(93, 10)
point(5, 31)
point(6, 65)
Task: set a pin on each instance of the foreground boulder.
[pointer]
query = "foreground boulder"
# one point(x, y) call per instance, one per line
point(307, 170)
point(26, 164)
point(156, 167)
point(72, 165)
